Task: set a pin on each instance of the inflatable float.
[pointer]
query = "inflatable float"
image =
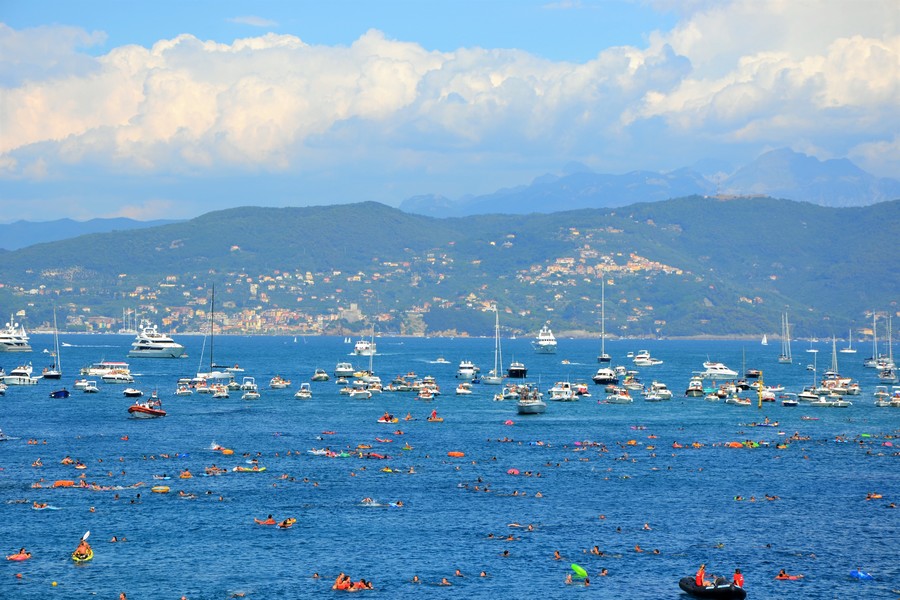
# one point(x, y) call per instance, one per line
point(862, 575)
point(19, 556)
point(721, 591)
point(160, 489)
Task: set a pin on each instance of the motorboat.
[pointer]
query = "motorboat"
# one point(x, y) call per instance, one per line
point(21, 375)
point(694, 388)
point(530, 401)
point(605, 376)
point(464, 388)
point(619, 396)
point(643, 359)
point(717, 370)
point(183, 390)
point(545, 343)
point(150, 343)
point(117, 376)
point(131, 392)
point(279, 383)
point(320, 375)
point(344, 369)
point(90, 387)
point(562, 391)
point(516, 370)
point(60, 394)
point(151, 409)
point(13, 338)
point(304, 392)
point(658, 391)
point(364, 347)
point(250, 395)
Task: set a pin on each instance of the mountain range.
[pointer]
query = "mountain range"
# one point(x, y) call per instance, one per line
point(779, 173)
point(25, 233)
point(688, 266)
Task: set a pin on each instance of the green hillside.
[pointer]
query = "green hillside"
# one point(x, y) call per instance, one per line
point(690, 266)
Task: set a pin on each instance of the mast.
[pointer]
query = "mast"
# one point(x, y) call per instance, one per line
point(603, 357)
point(212, 308)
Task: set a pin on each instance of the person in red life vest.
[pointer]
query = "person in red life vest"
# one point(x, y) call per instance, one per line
point(738, 578)
point(699, 577)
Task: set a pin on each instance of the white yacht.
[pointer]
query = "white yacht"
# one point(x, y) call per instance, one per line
point(150, 343)
point(364, 347)
point(13, 338)
point(717, 370)
point(545, 343)
point(643, 359)
point(21, 375)
point(466, 370)
point(344, 369)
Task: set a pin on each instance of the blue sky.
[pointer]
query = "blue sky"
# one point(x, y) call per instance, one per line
point(173, 109)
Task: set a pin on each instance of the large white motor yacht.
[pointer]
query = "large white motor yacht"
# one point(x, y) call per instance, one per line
point(13, 338)
point(545, 343)
point(150, 343)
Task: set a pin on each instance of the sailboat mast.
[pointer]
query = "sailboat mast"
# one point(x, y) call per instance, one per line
point(212, 324)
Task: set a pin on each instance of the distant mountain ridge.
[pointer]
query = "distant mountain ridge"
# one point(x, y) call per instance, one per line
point(26, 233)
point(779, 173)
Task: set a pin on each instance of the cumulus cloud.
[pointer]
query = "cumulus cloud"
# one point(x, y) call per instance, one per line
point(744, 74)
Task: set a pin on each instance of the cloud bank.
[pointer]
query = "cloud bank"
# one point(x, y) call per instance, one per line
point(729, 81)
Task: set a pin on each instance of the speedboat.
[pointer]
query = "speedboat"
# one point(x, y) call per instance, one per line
point(319, 375)
point(605, 376)
point(146, 410)
point(562, 391)
point(694, 388)
point(131, 392)
point(150, 343)
point(545, 343)
point(619, 396)
point(364, 348)
point(279, 383)
point(464, 388)
point(13, 338)
point(90, 387)
point(530, 401)
point(643, 359)
point(304, 393)
point(60, 394)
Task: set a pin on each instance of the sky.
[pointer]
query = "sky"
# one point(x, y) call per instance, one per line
point(172, 109)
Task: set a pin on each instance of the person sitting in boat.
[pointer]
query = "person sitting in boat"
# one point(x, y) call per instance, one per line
point(433, 414)
point(83, 548)
point(738, 578)
point(700, 577)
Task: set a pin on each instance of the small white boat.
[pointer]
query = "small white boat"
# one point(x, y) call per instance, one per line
point(320, 375)
point(90, 387)
point(250, 395)
point(131, 392)
point(304, 393)
point(464, 388)
point(619, 396)
point(279, 383)
point(183, 390)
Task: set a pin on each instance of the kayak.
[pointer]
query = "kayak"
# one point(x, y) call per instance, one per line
point(79, 558)
point(723, 591)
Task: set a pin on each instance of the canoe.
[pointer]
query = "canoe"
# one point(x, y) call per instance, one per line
point(723, 591)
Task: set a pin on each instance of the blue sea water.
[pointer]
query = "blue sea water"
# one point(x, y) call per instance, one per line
point(207, 547)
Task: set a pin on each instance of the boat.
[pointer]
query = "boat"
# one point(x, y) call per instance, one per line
point(619, 395)
point(605, 376)
point(364, 347)
point(150, 343)
point(658, 391)
point(695, 388)
point(530, 401)
point(250, 395)
point(721, 590)
point(90, 387)
point(99, 369)
point(183, 390)
point(765, 340)
point(495, 375)
point(785, 356)
point(545, 343)
point(716, 370)
point(320, 375)
point(562, 391)
point(117, 376)
point(344, 369)
point(789, 399)
point(466, 370)
point(279, 383)
point(464, 388)
point(60, 394)
point(21, 375)
point(849, 349)
point(13, 338)
point(217, 376)
point(516, 370)
point(304, 392)
point(80, 558)
point(440, 360)
point(54, 371)
point(150, 409)
point(131, 392)
point(603, 357)
point(643, 359)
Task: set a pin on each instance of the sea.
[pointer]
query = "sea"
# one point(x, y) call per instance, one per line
point(583, 474)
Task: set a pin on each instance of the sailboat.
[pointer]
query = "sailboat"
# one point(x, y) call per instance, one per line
point(765, 340)
point(886, 365)
point(495, 375)
point(215, 374)
point(872, 361)
point(603, 357)
point(849, 349)
point(785, 357)
point(54, 371)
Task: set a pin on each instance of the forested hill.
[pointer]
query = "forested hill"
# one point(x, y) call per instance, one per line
point(688, 266)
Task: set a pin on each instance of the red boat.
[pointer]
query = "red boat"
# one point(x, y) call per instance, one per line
point(146, 410)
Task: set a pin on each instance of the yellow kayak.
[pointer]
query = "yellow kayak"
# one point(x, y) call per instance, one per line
point(83, 557)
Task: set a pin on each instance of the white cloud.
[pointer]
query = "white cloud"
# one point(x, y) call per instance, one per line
point(730, 77)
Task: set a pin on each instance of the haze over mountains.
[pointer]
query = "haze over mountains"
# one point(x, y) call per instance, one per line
point(779, 174)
